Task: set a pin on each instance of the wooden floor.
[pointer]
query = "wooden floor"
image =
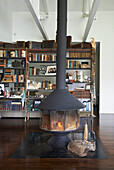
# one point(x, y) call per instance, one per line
point(13, 131)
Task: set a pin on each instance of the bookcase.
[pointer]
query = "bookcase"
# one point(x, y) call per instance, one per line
point(12, 79)
point(80, 76)
point(27, 76)
point(41, 75)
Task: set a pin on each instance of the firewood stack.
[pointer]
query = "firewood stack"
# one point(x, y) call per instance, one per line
point(81, 147)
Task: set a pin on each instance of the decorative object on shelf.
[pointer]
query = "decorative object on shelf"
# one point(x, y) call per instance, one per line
point(68, 41)
point(51, 70)
point(49, 44)
point(22, 96)
point(33, 85)
point(93, 43)
point(16, 64)
point(85, 65)
point(10, 45)
point(1, 45)
point(20, 44)
point(33, 45)
point(1, 90)
point(43, 69)
point(86, 133)
point(87, 86)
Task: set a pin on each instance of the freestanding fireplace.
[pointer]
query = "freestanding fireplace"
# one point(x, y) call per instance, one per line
point(60, 110)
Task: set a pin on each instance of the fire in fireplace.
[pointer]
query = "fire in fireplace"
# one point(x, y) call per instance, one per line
point(60, 120)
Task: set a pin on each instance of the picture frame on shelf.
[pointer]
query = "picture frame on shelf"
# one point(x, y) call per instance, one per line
point(87, 87)
point(51, 70)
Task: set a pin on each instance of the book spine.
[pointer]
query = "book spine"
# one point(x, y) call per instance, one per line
point(69, 63)
point(38, 57)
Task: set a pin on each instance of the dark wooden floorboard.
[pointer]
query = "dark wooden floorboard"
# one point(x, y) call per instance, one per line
point(13, 132)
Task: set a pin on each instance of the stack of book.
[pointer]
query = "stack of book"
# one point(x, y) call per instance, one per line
point(72, 64)
point(7, 76)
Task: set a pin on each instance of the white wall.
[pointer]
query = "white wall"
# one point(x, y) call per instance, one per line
point(103, 31)
point(24, 28)
point(5, 22)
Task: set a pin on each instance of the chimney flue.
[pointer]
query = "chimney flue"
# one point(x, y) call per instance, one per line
point(61, 43)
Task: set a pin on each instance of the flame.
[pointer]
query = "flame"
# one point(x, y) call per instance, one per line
point(56, 124)
point(59, 124)
point(68, 124)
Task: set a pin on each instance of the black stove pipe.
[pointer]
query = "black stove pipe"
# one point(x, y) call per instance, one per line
point(61, 99)
point(61, 43)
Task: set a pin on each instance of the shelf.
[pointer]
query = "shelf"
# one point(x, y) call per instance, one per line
point(79, 58)
point(42, 76)
point(13, 82)
point(78, 50)
point(13, 49)
point(13, 58)
point(77, 82)
point(48, 50)
point(42, 50)
point(12, 111)
point(35, 98)
point(78, 68)
point(54, 50)
point(42, 62)
point(13, 68)
point(13, 98)
point(48, 90)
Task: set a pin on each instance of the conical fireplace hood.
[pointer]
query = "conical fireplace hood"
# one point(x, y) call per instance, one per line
point(60, 98)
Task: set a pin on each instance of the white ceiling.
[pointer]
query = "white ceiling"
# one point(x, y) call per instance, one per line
point(73, 5)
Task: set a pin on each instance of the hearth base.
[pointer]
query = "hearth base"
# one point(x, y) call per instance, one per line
point(59, 140)
point(35, 146)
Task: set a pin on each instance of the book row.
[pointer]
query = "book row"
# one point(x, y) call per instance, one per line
point(13, 53)
point(18, 78)
point(10, 106)
point(79, 55)
point(72, 64)
point(41, 57)
point(34, 71)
